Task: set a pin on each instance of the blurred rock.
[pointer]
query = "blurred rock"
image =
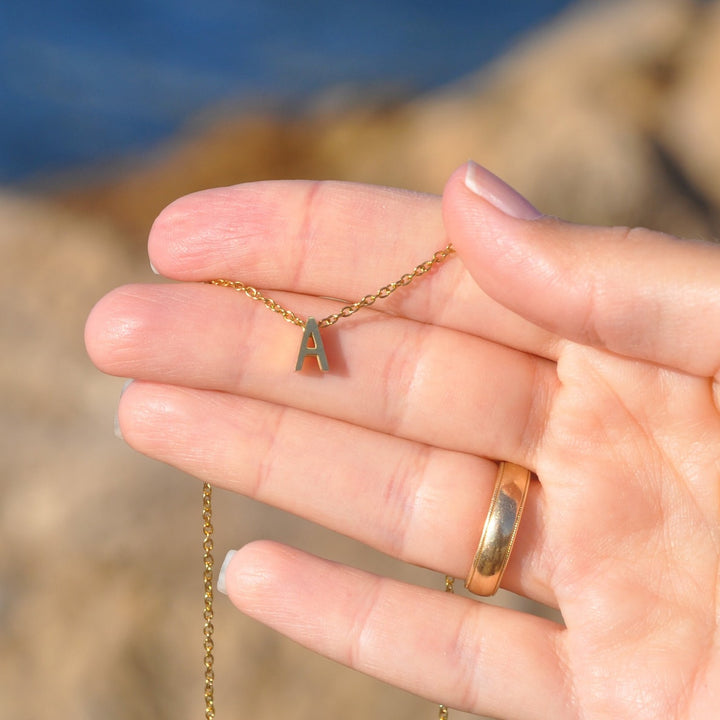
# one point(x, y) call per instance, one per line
point(690, 118)
point(609, 116)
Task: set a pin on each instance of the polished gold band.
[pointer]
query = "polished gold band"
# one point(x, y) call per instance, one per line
point(501, 525)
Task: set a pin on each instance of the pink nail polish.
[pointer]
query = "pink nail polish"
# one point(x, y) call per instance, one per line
point(498, 193)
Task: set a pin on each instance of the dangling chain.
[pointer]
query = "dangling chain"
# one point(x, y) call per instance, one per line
point(449, 588)
point(208, 628)
point(208, 613)
point(208, 561)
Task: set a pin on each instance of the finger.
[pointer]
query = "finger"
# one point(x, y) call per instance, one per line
point(332, 240)
point(415, 502)
point(425, 383)
point(634, 292)
point(446, 648)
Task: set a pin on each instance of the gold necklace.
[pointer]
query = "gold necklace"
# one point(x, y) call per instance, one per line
point(311, 346)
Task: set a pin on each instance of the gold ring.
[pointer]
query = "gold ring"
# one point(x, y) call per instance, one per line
point(501, 526)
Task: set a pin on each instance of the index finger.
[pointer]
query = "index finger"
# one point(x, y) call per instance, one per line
point(332, 239)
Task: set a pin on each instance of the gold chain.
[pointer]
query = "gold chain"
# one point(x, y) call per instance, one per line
point(348, 310)
point(208, 613)
point(449, 588)
point(208, 561)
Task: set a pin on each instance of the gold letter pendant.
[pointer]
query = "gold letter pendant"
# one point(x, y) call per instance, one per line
point(312, 330)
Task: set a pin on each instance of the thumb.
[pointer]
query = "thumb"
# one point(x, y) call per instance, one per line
point(635, 292)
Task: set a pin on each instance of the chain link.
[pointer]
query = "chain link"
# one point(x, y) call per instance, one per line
point(208, 613)
point(255, 294)
point(366, 301)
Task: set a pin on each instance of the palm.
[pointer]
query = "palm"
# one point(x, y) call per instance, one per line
point(621, 533)
point(633, 583)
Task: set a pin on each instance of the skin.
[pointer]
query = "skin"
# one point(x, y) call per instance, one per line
point(589, 355)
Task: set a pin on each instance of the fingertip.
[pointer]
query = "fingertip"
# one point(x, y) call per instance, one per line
point(472, 182)
point(149, 419)
point(506, 244)
point(248, 574)
point(106, 328)
point(163, 235)
point(184, 233)
point(490, 224)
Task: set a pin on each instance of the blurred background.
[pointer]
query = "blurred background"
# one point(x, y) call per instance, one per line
point(601, 112)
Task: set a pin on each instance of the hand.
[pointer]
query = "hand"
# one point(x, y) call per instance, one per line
point(589, 355)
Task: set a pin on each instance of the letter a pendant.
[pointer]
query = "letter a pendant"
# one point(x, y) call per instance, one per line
point(312, 333)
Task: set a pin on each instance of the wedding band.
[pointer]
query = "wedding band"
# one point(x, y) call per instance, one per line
point(501, 526)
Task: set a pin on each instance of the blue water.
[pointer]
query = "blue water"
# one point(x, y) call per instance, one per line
point(83, 81)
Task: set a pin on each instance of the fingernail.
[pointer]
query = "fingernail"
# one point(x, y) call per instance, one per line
point(116, 428)
point(116, 420)
point(154, 269)
point(221, 586)
point(498, 193)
